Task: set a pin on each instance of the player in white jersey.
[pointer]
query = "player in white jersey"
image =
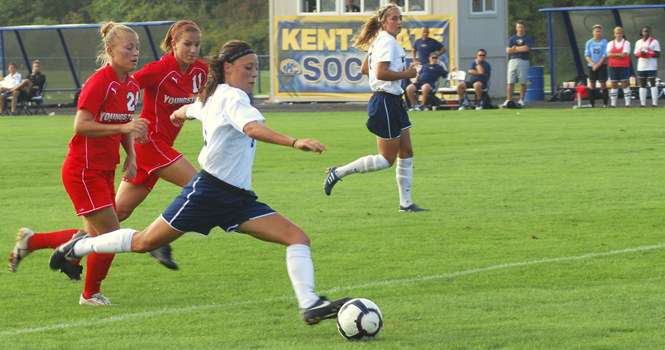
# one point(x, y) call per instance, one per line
point(647, 50)
point(220, 195)
point(388, 119)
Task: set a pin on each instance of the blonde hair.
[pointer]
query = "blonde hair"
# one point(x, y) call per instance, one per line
point(372, 27)
point(178, 28)
point(618, 28)
point(111, 34)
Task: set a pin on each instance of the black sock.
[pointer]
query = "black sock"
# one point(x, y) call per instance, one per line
point(592, 97)
point(606, 96)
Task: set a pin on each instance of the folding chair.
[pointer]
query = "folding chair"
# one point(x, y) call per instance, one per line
point(35, 102)
point(471, 93)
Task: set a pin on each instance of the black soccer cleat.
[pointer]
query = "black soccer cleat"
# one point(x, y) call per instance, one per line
point(73, 271)
point(323, 309)
point(163, 255)
point(331, 180)
point(411, 208)
point(64, 253)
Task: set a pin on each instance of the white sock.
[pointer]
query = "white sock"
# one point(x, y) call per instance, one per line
point(654, 95)
point(118, 241)
point(521, 101)
point(626, 95)
point(643, 96)
point(614, 95)
point(363, 165)
point(404, 176)
point(301, 272)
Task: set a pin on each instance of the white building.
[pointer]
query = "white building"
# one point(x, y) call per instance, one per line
point(312, 57)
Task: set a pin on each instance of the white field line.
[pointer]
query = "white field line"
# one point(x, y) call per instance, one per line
point(332, 290)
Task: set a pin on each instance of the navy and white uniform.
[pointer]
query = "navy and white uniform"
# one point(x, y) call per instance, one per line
point(387, 115)
point(220, 195)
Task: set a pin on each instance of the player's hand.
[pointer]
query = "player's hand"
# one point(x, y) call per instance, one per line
point(140, 139)
point(411, 71)
point(129, 167)
point(309, 145)
point(179, 116)
point(136, 126)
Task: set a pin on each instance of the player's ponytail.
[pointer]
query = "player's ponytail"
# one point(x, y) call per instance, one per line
point(175, 32)
point(231, 51)
point(111, 34)
point(371, 27)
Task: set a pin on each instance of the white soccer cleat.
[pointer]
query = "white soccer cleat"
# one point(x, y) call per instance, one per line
point(96, 300)
point(20, 249)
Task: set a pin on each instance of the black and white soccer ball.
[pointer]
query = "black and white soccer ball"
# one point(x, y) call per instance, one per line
point(359, 319)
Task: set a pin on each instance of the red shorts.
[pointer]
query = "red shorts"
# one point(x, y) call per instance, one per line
point(152, 156)
point(90, 190)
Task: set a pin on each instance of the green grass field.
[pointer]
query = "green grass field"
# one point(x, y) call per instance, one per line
point(545, 232)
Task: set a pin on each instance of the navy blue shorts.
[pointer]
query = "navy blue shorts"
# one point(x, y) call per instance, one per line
point(420, 85)
point(647, 73)
point(619, 73)
point(203, 205)
point(387, 116)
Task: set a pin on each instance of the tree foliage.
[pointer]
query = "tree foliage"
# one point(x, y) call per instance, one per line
point(219, 20)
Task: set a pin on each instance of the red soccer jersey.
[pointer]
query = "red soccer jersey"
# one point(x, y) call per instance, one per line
point(167, 89)
point(111, 102)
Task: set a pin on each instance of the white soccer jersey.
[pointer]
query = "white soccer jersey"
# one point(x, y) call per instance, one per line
point(650, 46)
point(228, 153)
point(386, 49)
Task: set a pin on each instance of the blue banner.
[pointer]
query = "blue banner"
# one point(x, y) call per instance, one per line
point(314, 56)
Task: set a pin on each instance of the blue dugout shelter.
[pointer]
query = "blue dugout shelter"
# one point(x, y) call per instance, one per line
point(569, 28)
point(68, 52)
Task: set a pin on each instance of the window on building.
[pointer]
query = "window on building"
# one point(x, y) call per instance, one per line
point(483, 6)
point(370, 5)
point(318, 6)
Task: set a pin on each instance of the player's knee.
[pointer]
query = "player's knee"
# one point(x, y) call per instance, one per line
point(124, 214)
point(296, 235)
point(141, 244)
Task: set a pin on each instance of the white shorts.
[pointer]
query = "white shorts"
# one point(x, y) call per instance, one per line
point(518, 69)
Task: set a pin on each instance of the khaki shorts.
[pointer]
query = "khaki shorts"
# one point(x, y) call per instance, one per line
point(518, 69)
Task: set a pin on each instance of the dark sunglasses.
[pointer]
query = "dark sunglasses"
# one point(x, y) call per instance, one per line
point(482, 55)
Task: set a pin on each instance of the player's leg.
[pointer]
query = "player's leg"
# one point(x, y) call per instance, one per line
point(129, 196)
point(642, 79)
point(614, 90)
point(28, 241)
point(278, 229)
point(179, 173)
point(626, 91)
point(592, 87)
point(98, 265)
point(654, 91)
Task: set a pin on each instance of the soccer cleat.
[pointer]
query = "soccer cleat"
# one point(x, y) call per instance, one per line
point(163, 255)
point(411, 207)
point(20, 248)
point(520, 104)
point(413, 108)
point(321, 310)
point(73, 271)
point(331, 180)
point(643, 106)
point(96, 300)
point(64, 253)
point(505, 103)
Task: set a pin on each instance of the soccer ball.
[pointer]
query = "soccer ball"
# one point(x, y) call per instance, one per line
point(359, 319)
